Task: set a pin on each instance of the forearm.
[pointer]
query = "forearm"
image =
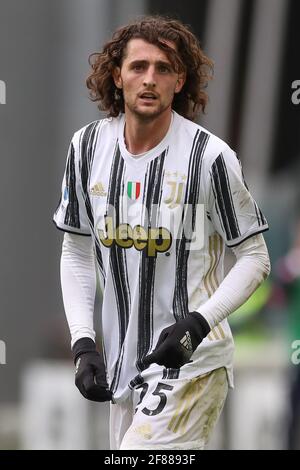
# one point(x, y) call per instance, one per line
point(250, 270)
point(78, 281)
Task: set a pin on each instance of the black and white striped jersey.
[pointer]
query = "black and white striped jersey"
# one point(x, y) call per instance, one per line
point(159, 222)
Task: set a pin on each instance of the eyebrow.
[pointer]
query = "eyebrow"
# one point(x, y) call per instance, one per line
point(144, 62)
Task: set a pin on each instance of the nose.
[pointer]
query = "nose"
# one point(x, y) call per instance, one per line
point(149, 78)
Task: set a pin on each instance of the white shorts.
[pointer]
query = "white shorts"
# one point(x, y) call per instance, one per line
point(169, 413)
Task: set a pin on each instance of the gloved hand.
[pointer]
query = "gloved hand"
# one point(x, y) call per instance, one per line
point(177, 342)
point(90, 374)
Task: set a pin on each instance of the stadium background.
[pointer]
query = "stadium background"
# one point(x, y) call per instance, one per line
point(44, 48)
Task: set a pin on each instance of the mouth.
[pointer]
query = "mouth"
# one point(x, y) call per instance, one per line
point(148, 96)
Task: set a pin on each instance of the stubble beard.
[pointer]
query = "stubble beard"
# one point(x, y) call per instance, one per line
point(147, 116)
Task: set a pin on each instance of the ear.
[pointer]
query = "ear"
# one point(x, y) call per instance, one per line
point(180, 82)
point(117, 77)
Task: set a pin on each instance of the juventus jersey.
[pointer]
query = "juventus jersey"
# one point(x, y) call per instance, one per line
point(159, 224)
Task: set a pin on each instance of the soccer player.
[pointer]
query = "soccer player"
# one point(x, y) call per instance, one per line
point(149, 201)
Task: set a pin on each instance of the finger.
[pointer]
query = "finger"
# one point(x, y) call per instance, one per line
point(81, 389)
point(98, 393)
point(94, 391)
point(163, 336)
point(89, 380)
point(157, 356)
point(166, 357)
point(150, 359)
point(79, 385)
point(100, 379)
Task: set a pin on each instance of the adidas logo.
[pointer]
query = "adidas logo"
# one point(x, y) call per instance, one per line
point(98, 190)
point(186, 341)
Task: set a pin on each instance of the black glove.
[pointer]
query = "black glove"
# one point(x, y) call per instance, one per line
point(177, 342)
point(90, 374)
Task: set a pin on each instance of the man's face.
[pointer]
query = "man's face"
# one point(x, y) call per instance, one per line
point(147, 79)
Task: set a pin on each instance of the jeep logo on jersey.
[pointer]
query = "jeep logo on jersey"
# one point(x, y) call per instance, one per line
point(133, 190)
point(154, 240)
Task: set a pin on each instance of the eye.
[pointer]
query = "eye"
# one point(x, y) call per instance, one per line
point(164, 69)
point(137, 67)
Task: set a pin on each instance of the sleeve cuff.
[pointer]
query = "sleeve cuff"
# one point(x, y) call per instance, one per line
point(65, 228)
point(238, 241)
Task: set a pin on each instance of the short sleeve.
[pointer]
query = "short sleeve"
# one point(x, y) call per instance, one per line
point(231, 208)
point(71, 215)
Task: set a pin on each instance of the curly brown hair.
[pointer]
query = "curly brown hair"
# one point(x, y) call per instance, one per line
point(188, 58)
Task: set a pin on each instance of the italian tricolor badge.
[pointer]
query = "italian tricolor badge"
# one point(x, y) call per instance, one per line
point(133, 189)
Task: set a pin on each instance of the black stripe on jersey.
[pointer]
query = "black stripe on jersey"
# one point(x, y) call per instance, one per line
point(138, 380)
point(117, 260)
point(224, 198)
point(88, 141)
point(257, 213)
point(180, 299)
point(263, 219)
point(87, 156)
point(260, 216)
point(216, 205)
point(72, 209)
point(153, 187)
point(170, 374)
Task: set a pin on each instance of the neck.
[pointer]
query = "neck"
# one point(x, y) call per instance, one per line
point(142, 135)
